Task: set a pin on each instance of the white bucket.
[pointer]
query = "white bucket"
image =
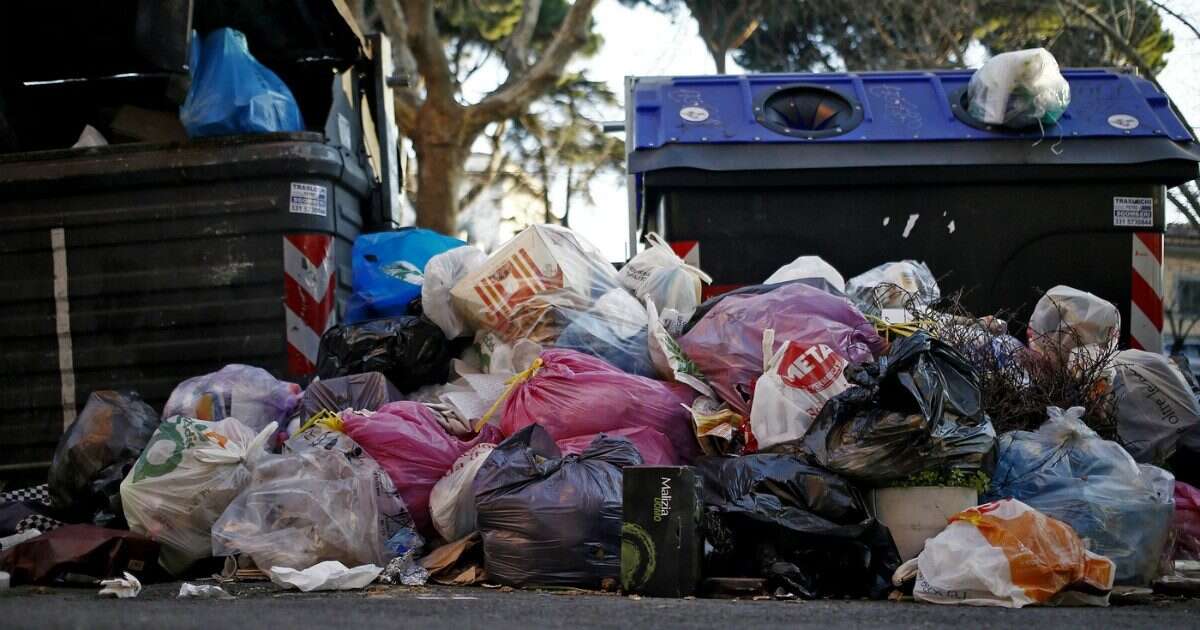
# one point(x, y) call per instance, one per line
point(915, 515)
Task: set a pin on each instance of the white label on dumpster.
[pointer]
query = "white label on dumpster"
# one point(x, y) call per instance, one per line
point(1133, 212)
point(1123, 121)
point(694, 114)
point(308, 199)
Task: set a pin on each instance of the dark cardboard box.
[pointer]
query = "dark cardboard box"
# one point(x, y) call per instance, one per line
point(661, 541)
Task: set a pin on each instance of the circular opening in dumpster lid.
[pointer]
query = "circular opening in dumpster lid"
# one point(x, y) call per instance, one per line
point(807, 111)
point(959, 104)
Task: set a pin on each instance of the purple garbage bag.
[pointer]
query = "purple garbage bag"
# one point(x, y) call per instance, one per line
point(247, 393)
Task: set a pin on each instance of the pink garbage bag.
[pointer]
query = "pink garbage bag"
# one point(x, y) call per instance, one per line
point(574, 394)
point(726, 344)
point(414, 450)
point(654, 447)
point(1187, 522)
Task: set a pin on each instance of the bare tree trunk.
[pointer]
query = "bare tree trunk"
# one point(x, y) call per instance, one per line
point(718, 55)
point(439, 184)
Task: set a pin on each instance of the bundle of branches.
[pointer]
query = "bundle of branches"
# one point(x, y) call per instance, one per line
point(1017, 383)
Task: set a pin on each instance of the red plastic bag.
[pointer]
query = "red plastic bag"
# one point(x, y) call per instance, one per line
point(654, 447)
point(572, 394)
point(1187, 522)
point(414, 450)
point(726, 343)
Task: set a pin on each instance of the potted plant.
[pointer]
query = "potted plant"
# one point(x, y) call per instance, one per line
point(917, 507)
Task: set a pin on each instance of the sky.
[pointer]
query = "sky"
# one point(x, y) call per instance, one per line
point(642, 42)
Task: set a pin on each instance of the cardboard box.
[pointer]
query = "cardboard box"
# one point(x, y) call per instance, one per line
point(662, 546)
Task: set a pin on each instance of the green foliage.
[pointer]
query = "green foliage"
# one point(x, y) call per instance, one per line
point(954, 478)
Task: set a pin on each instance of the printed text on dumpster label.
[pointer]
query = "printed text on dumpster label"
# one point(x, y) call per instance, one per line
point(308, 199)
point(1133, 212)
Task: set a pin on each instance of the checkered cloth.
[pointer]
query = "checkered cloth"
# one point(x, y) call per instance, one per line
point(37, 521)
point(36, 494)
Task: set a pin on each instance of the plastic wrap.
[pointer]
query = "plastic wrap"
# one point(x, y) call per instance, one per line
point(302, 508)
point(1018, 89)
point(388, 271)
point(894, 285)
point(1068, 472)
point(803, 528)
point(452, 501)
point(96, 453)
point(924, 412)
point(367, 391)
point(185, 478)
point(549, 520)
point(808, 267)
point(1066, 318)
point(409, 351)
point(232, 93)
point(410, 445)
point(572, 394)
point(247, 393)
point(442, 272)
point(1155, 406)
point(727, 343)
point(1009, 554)
point(658, 274)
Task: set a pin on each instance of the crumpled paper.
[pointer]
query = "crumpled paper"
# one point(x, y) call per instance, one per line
point(121, 588)
point(330, 575)
point(202, 591)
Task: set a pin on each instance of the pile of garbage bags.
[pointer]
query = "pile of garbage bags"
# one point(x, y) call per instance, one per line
point(473, 419)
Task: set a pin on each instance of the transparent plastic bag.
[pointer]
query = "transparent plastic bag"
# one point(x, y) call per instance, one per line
point(1068, 472)
point(894, 284)
point(247, 393)
point(302, 508)
point(189, 473)
point(1019, 89)
point(452, 500)
point(1065, 319)
point(659, 274)
point(232, 93)
point(1009, 554)
point(442, 272)
point(808, 267)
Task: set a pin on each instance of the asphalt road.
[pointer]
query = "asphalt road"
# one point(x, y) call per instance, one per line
point(377, 608)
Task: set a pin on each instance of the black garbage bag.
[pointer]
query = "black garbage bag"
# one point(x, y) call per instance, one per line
point(369, 391)
point(549, 520)
point(96, 453)
point(410, 351)
point(802, 528)
point(923, 412)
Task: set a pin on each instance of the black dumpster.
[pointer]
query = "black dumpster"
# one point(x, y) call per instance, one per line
point(139, 265)
point(886, 166)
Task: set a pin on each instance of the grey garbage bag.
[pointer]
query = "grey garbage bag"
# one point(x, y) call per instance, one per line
point(369, 391)
point(549, 520)
point(1155, 406)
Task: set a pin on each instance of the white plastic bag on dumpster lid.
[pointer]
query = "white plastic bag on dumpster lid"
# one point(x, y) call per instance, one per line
point(1009, 554)
point(441, 273)
point(808, 267)
point(1067, 318)
point(452, 502)
point(1155, 406)
point(659, 274)
point(797, 380)
point(892, 285)
point(185, 479)
point(1017, 89)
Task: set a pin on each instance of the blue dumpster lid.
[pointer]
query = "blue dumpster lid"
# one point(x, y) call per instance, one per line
point(888, 118)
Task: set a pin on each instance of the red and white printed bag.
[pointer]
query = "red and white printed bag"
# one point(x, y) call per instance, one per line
point(797, 380)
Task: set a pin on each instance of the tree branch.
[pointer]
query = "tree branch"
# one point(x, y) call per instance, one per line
point(1186, 22)
point(426, 46)
point(520, 89)
point(1114, 36)
point(516, 47)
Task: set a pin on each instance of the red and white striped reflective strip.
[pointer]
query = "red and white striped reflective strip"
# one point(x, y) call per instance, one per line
point(689, 251)
point(309, 285)
point(1146, 302)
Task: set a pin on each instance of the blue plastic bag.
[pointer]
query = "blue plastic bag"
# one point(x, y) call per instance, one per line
point(232, 93)
point(388, 271)
point(1067, 471)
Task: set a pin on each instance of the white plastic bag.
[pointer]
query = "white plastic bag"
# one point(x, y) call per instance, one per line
point(808, 267)
point(892, 285)
point(797, 381)
point(1066, 319)
point(1009, 554)
point(1019, 89)
point(326, 576)
point(441, 273)
point(670, 362)
point(1155, 406)
point(452, 502)
point(657, 273)
point(185, 478)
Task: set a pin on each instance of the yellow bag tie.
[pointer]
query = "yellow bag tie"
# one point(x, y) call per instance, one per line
point(325, 418)
point(889, 330)
point(516, 379)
